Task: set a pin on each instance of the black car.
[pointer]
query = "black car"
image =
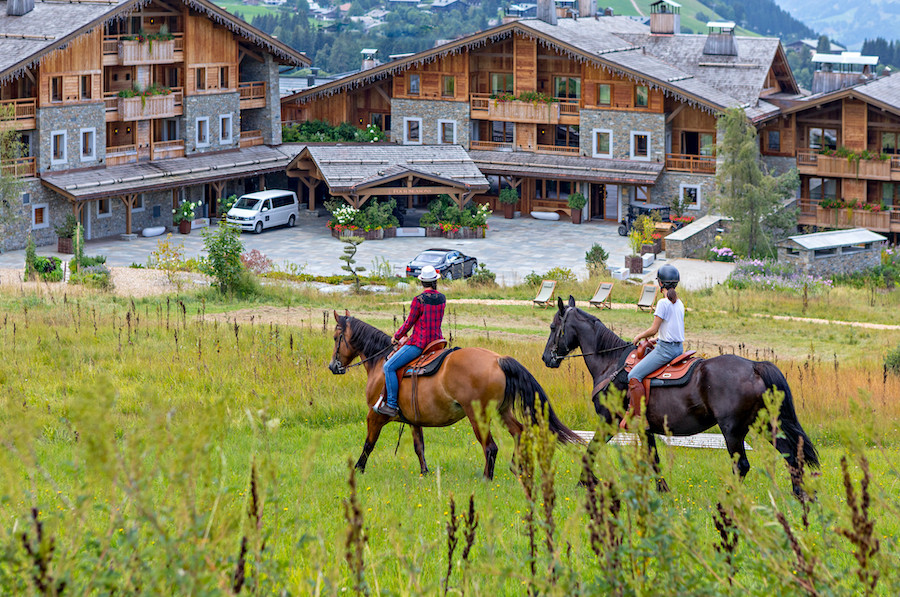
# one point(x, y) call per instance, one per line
point(451, 264)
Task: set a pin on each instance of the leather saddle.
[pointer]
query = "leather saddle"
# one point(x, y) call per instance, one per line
point(425, 365)
point(677, 372)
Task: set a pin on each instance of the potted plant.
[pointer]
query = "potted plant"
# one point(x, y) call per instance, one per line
point(183, 216)
point(64, 233)
point(576, 203)
point(509, 198)
point(633, 262)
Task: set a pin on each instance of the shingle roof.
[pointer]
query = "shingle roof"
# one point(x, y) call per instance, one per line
point(54, 23)
point(834, 238)
point(349, 167)
point(567, 167)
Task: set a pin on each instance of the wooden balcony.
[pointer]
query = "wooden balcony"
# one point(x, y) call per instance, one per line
point(128, 52)
point(121, 154)
point(251, 138)
point(490, 145)
point(19, 167)
point(252, 94)
point(564, 111)
point(142, 108)
point(558, 149)
point(695, 164)
point(161, 150)
point(813, 214)
point(816, 164)
point(21, 114)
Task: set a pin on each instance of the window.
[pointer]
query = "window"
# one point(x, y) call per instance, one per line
point(602, 147)
point(690, 196)
point(223, 78)
point(225, 133)
point(889, 195)
point(138, 203)
point(641, 96)
point(202, 139)
point(568, 87)
point(447, 131)
point(40, 216)
point(502, 132)
point(413, 85)
point(58, 147)
point(706, 144)
point(773, 140)
point(604, 94)
point(567, 135)
point(412, 131)
point(822, 138)
point(380, 121)
point(889, 143)
point(88, 144)
point(501, 83)
point(448, 86)
point(56, 89)
point(104, 208)
point(822, 188)
point(824, 252)
point(640, 145)
point(201, 79)
point(642, 194)
point(86, 87)
point(282, 201)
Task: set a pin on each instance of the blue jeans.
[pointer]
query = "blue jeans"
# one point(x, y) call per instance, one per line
point(398, 360)
point(656, 358)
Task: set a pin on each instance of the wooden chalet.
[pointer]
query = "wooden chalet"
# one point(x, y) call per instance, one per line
point(606, 106)
point(145, 103)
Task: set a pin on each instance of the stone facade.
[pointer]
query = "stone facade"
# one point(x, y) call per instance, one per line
point(836, 262)
point(210, 106)
point(777, 165)
point(430, 111)
point(622, 123)
point(695, 238)
point(70, 119)
point(668, 187)
point(268, 119)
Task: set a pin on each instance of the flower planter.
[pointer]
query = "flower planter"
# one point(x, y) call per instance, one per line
point(378, 234)
point(634, 263)
point(464, 233)
point(158, 51)
point(64, 245)
point(150, 106)
point(433, 232)
point(184, 226)
point(576, 216)
point(647, 248)
point(509, 210)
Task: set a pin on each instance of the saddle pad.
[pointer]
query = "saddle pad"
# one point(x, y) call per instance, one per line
point(428, 364)
point(686, 371)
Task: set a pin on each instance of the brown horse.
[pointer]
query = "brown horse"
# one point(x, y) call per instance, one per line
point(468, 378)
point(726, 391)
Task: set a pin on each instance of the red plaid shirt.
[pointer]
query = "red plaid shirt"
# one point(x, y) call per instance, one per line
point(425, 317)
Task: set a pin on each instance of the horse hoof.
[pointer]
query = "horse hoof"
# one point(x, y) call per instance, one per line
point(662, 486)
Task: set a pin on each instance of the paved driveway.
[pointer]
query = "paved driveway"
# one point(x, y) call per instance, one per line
point(512, 249)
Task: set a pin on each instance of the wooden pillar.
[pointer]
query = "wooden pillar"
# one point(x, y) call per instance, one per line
point(218, 187)
point(262, 182)
point(311, 185)
point(128, 200)
point(175, 198)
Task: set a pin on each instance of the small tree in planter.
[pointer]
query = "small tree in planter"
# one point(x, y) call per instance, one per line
point(350, 250)
point(576, 203)
point(633, 262)
point(183, 216)
point(64, 233)
point(509, 198)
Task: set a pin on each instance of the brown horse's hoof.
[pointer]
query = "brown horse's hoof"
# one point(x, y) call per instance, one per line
point(662, 486)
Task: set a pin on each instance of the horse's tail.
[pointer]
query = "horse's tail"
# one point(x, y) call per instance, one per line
point(773, 377)
point(521, 388)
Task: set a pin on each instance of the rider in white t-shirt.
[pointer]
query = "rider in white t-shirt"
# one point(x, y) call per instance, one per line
point(668, 321)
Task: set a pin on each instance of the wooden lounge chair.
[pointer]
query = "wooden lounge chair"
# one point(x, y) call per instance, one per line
point(601, 297)
point(648, 297)
point(545, 296)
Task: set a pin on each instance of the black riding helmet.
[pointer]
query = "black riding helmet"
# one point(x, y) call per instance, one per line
point(668, 276)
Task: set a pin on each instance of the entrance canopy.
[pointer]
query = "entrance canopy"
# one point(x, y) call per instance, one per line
point(576, 168)
point(358, 172)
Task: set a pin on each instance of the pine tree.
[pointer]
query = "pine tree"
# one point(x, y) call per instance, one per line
point(747, 194)
point(350, 250)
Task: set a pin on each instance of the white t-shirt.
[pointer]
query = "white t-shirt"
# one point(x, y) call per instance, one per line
point(672, 327)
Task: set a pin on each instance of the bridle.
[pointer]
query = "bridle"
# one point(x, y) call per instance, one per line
point(560, 331)
point(343, 340)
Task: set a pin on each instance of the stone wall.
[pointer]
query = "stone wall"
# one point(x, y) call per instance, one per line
point(830, 265)
point(430, 111)
point(693, 239)
point(268, 119)
point(622, 123)
point(71, 119)
point(777, 165)
point(668, 187)
point(210, 106)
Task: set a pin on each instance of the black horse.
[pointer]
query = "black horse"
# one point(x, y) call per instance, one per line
point(726, 390)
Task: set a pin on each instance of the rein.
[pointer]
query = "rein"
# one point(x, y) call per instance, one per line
point(589, 354)
point(374, 356)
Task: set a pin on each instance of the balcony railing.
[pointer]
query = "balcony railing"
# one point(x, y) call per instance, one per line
point(813, 163)
point(251, 138)
point(697, 164)
point(558, 149)
point(19, 167)
point(126, 52)
point(167, 149)
point(121, 154)
point(151, 106)
point(485, 107)
point(252, 94)
point(813, 214)
point(21, 113)
point(490, 145)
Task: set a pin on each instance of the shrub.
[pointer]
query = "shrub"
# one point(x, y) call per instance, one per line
point(595, 258)
point(226, 203)
point(93, 276)
point(67, 228)
point(767, 274)
point(560, 274)
point(576, 200)
point(256, 262)
point(892, 361)
point(444, 213)
point(722, 254)
point(224, 247)
point(30, 256)
point(482, 276)
point(509, 196)
point(48, 268)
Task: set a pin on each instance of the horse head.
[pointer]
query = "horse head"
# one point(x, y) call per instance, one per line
point(343, 353)
point(562, 339)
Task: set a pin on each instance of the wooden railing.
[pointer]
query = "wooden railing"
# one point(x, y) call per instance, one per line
point(22, 109)
point(698, 164)
point(251, 138)
point(558, 149)
point(121, 154)
point(808, 206)
point(19, 167)
point(807, 158)
point(119, 50)
point(489, 145)
point(252, 94)
point(481, 104)
point(168, 149)
point(152, 106)
point(813, 214)
point(569, 107)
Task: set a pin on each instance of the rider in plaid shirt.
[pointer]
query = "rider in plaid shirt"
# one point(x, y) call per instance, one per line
point(425, 317)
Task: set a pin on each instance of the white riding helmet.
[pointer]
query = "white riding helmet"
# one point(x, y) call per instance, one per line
point(429, 274)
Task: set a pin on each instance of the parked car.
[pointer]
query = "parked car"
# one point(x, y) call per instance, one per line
point(451, 264)
point(264, 209)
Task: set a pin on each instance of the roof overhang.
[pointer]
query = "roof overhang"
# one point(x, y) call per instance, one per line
point(583, 169)
point(849, 92)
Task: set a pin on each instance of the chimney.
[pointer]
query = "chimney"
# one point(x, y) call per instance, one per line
point(587, 8)
point(609, 12)
point(311, 77)
point(665, 18)
point(17, 8)
point(720, 39)
point(546, 11)
point(369, 58)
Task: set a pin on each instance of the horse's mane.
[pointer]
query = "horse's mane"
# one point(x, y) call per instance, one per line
point(606, 338)
point(366, 339)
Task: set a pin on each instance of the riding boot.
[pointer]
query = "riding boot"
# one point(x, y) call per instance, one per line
point(635, 394)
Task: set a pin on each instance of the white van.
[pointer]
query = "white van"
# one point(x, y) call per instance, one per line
point(264, 210)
